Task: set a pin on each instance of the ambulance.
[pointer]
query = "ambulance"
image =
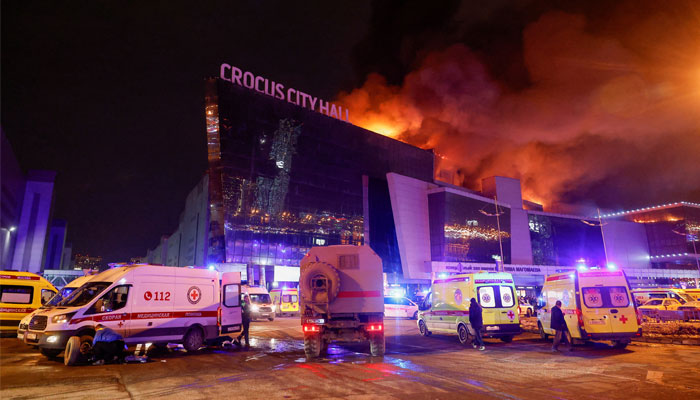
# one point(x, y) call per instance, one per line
point(62, 294)
point(285, 300)
point(596, 303)
point(446, 308)
point(261, 303)
point(694, 293)
point(144, 304)
point(20, 294)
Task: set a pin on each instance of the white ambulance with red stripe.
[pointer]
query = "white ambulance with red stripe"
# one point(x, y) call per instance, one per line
point(145, 304)
point(597, 305)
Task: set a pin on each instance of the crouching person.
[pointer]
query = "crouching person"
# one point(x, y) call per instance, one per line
point(108, 345)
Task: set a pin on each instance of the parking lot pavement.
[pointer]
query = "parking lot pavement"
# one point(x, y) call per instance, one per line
point(414, 367)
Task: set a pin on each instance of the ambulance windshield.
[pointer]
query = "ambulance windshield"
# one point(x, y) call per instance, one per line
point(260, 298)
point(84, 294)
point(65, 292)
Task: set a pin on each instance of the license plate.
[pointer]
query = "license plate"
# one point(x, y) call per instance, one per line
point(492, 328)
point(31, 336)
point(597, 322)
point(20, 336)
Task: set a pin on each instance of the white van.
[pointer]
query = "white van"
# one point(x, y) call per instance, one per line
point(261, 303)
point(143, 303)
point(58, 297)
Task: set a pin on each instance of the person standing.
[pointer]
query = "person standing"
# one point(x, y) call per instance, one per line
point(245, 319)
point(477, 322)
point(558, 323)
point(107, 345)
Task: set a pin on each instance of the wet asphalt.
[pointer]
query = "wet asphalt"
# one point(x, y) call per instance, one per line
point(415, 367)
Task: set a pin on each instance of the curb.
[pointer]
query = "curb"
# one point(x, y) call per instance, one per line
point(686, 342)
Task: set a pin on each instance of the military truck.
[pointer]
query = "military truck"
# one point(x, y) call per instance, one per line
point(341, 298)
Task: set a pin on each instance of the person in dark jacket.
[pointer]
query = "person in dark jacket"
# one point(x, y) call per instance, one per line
point(107, 345)
point(245, 319)
point(558, 323)
point(477, 322)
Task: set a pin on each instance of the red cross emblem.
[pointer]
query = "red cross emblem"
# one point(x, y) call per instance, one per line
point(194, 294)
point(121, 323)
point(510, 314)
point(623, 319)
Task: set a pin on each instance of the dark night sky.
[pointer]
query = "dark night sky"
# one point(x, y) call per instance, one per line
point(110, 94)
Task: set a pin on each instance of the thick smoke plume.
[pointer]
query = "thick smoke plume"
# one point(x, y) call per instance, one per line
point(611, 117)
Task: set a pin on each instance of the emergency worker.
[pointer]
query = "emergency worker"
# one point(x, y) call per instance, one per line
point(245, 308)
point(559, 325)
point(477, 322)
point(107, 346)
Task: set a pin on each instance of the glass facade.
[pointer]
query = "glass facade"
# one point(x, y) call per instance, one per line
point(671, 231)
point(284, 178)
point(565, 241)
point(461, 232)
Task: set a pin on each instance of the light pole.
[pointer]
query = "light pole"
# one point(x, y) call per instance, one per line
point(497, 214)
point(602, 234)
point(693, 238)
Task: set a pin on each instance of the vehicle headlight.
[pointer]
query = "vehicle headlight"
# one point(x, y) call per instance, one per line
point(62, 318)
point(273, 307)
point(254, 308)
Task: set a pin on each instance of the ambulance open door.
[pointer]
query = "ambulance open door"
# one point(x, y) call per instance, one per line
point(230, 302)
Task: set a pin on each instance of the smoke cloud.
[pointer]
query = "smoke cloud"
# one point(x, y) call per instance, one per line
point(610, 115)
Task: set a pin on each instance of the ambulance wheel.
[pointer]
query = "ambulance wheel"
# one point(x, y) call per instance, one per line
point(50, 353)
point(271, 319)
point(506, 339)
point(620, 344)
point(377, 344)
point(415, 315)
point(423, 329)
point(528, 313)
point(463, 334)
point(312, 346)
point(543, 335)
point(72, 353)
point(193, 339)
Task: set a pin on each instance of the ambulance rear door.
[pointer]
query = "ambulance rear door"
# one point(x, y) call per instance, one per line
point(230, 302)
point(595, 306)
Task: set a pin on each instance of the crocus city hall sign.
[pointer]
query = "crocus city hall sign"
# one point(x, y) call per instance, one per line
point(271, 88)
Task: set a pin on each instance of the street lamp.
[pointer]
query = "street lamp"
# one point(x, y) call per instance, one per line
point(602, 234)
point(693, 238)
point(497, 214)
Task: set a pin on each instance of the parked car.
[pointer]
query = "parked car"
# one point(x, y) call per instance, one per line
point(690, 306)
point(660, 304)
point(400, 307)
point(526, 309)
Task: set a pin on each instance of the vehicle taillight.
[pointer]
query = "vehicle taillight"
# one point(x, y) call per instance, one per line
point(579, 316)
point(218, 316)
point(639, 319)
point(311, 328)
point(375, 327)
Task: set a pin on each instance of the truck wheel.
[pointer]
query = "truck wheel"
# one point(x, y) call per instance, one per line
point(193, 339)
point(324, 346)
point(543, 335)
point(463, 334)
point(50, 353)
point(377, 345)
point(72, 352)
point(620, 344)
point(312, 346)
point(506, 339)
point(423, 328)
